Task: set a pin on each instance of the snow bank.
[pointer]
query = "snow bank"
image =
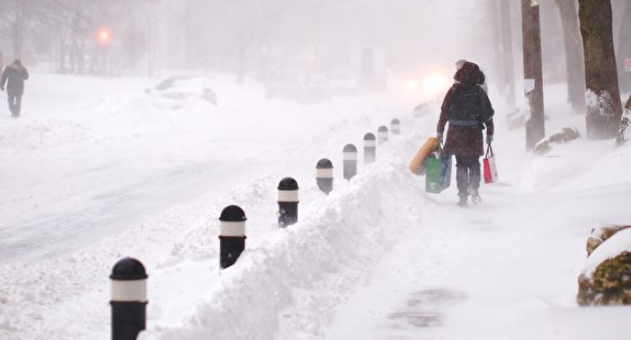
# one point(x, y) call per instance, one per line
point(293, 281)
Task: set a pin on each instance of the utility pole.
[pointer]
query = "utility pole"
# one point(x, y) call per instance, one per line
point(494, 13)
point(507, 51)
point(533, 73)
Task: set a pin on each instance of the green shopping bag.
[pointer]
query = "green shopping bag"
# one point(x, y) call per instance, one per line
point(437, 171)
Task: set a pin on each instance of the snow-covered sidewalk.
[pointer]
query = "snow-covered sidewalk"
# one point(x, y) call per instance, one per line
point(507, 269)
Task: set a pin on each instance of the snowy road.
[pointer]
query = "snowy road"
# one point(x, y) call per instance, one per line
point(79, 212)
point(69, 182)
point(93, 157)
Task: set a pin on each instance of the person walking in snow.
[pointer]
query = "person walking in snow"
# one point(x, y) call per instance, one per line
point(14, 76)
point(468, 111)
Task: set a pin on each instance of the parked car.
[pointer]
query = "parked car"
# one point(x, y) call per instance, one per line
point(184, 88)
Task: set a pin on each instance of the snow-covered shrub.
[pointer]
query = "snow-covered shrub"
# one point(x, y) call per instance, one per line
point(606, 278)
point(563, 136)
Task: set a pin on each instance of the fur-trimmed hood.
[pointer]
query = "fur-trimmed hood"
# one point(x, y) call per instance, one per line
point(470, 73)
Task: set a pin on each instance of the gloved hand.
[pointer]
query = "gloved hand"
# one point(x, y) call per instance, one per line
point(489, 139)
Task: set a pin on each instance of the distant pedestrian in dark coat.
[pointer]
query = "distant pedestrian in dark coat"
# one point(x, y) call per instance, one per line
point(14, 76)
point(468, 110)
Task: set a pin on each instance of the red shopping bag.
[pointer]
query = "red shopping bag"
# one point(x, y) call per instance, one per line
point(490, 168)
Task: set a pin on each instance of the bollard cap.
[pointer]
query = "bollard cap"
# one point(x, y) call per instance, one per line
point(395, 122)
point(232, 213)
point(128, 269)
point(350, 148)
point(369, 136)
point(324, 164)
point(288, 184)
point(382, 129)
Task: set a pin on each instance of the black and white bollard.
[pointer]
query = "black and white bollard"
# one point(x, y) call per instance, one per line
point(350, 161)
point(287, 202)
point(395, 127)
point(231, 235)
point(129, 299)
point(382, 135)
point(324, 175)
point(370, 148)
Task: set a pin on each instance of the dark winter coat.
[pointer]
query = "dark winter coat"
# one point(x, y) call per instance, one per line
point(467, 140)
point(14, 76)
point(628, 105)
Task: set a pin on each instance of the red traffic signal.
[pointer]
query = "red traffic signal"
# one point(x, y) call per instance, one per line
point(104, 36)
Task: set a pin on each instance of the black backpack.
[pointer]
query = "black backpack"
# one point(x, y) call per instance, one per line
point(468, 106)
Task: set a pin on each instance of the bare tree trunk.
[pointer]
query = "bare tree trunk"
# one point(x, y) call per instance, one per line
point(62, 51)
point(575, 65)
point(73, 56)
point(94, 60)
point(151, 50)
point(74, 43)
point(533, 72)
point(51, 56)
point(242, 50)
point(17, 30)
point(507, 51)
point(81, 58)
point(494, 16)
point(604, 106)
point(624, 48)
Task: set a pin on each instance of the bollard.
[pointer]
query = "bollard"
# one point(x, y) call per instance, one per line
point(350, 161)
point(231, 235)
point(287, 202)
point(395, 127)
point(370, 148)
point(382, 135)
point(129, 299)
point(324, 175)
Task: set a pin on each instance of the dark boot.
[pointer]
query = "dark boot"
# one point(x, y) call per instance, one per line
point(462, 177)
point(463, 202)
point(475, 195)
